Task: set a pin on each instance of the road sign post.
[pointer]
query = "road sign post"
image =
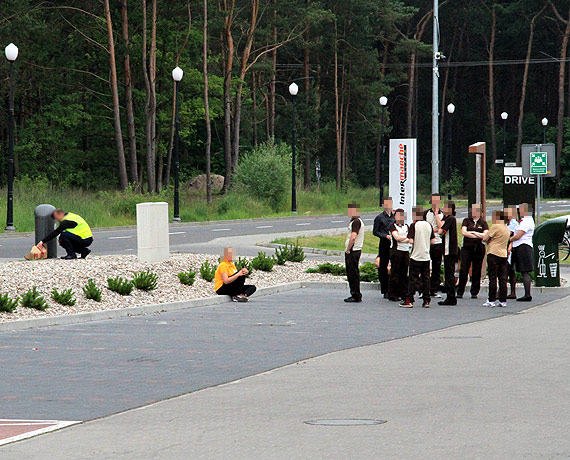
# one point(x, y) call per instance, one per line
point(539, 160)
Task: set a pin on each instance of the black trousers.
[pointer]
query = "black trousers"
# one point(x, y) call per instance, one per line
point(237, 287)
point(384, 254)
point(449, 269)
point(419, 276)
point(498, 269)
point(352, 259)
point(74, 244)
point(436, 255)
point(398, 283)
point(471, 257)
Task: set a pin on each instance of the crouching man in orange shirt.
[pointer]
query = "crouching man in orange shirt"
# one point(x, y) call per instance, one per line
point(230, 281)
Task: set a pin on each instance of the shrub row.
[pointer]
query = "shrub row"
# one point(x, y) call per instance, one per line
point(368, 271)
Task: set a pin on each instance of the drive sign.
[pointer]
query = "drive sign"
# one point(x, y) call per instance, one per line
point(538, 163)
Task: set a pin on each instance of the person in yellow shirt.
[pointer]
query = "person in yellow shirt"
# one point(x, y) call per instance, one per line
point(74, 233)
point(230, 281)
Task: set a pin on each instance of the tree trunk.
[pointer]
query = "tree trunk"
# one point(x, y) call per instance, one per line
point(273, 74)
point(306, 146)
point(524, 84)
point(336, 112)
point(123, 179)
point(148, 104)
point(152, 72)
point(228, 65)
point(254, 106)
point(561, 102)
point(492, 83)
point(207, 108)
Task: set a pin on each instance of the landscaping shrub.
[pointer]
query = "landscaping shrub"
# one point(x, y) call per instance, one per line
point(64, 298)
point(120, 285)
point(187, 278)
point(33, 299)
point(208, 271)
point(91, 291)
point(242, 262)
point(281, 255)
point(145, 281)
point(263, 262)
point(327, 267)
point(295, 253)
point(7, 304)
point(264, 173)
point(368, 272)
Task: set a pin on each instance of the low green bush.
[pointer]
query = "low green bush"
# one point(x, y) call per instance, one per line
point(281, 255)
point(327, 267)
point(208, 271)
point(295, 253)
point(64, 297)
point(368, 272)
point(242, 262)
point(91, 291)
point(120, 285)
point(7, 304)
point(263, 262)
point(187, 278)
point(33, 299)
point(145, 281)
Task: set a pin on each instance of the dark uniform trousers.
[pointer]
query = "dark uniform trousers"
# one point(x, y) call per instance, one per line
point(436, 255)
point(352, 259)
point(419, 277)
point(497, 269)
point(449, 262)
point(398, 284)
point(384, 254)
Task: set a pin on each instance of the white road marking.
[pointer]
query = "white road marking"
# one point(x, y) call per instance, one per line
point(53, 426)
point(120, 237)
point(337, 221)
point(177, 233)
point(265, 226)
point(301, 225)
point(368, 219)
point(221, 229)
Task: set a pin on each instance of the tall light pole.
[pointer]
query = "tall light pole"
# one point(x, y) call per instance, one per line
point(451, 111)
point(435, 102)
point(504, 117)
point(293, 90)
point(383, 102)
point(177, 75)
point(544, 126)
point(11, 52)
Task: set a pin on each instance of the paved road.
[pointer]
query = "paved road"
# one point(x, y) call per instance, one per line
point(493, 389)
point(92, 370)
point(185, 237)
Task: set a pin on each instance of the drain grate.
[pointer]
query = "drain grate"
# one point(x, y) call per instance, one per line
point(345, 422)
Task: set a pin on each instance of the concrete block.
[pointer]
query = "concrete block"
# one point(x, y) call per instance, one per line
point(152, 232)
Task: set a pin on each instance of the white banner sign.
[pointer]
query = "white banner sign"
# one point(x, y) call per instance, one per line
point(403, 174)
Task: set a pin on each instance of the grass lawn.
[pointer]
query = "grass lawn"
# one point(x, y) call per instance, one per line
point(335, 243)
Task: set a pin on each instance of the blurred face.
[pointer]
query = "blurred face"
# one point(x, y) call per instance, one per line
point(418, 214)
point(508, 213)
point(435, 202)
point(476, 211)
point(497, 218)
point(353, 212)
point(228, 254)
point(58, 216)
point(523, 210)
point(388, 205)
point(399, 218)
point(447, 210)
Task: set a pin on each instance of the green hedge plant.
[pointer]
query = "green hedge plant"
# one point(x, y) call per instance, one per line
point(64, 297)
point(33, 299)
point(7, 304)
point(208, 271)
point(145, 281)
point(187, 278)
point(91, 291)
point(242, 262)
point(263, 262)
point(120, 285)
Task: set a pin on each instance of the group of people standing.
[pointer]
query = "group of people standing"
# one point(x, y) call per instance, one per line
point(415, 253)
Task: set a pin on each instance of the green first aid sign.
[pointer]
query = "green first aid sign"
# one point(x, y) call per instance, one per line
point(538, 163)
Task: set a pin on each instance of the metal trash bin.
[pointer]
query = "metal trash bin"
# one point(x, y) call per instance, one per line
point(45, 224)
point(546, 238)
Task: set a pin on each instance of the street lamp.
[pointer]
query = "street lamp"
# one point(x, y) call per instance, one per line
point(504, 116)
point(544, 125)
point(293, 90)
point(177, 75)
point(11, 52)
point(383, 103)
point(451, 111)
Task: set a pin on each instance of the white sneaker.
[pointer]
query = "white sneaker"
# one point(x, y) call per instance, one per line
point(502, 304)
point(489, 304)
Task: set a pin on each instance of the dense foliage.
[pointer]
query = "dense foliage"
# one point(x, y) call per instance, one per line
point(72, 130)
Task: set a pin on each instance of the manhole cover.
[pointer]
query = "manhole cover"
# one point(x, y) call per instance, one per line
point(345, 422)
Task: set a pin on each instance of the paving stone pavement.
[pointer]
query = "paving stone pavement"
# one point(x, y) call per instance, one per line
point(87, 371)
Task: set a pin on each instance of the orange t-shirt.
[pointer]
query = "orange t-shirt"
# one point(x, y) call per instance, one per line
point(225, 267)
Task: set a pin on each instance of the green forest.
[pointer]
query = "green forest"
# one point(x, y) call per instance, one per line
point(94, 95)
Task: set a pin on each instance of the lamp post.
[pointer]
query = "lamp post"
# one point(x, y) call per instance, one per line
point(293, 90)
point(544, 126)
point(177, 75)
point(504, 117)
point(383, 103)
point(451, 111)
point(11, 52)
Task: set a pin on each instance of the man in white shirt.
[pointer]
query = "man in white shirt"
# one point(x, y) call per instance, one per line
point(353, 251)
point(434, 217)
point(522, 247)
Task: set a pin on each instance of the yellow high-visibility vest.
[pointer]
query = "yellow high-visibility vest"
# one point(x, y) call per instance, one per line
point(82, 230)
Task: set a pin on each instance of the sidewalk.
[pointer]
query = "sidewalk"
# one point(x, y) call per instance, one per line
point(495, 389)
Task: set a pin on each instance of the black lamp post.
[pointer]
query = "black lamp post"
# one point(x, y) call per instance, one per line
point(504, 117)
point(544, 126)
point(11, 54)
point(177, 75)
point(383, 102)
point(451, 111)
point(293, 91)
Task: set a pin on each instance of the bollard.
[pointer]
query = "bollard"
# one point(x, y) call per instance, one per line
point(45, 224)
point(152, 232)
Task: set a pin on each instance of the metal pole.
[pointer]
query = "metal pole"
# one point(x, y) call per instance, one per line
point(450, 154)
point(504, 156)
point(435, 103)
point(293, 161)
point(176, 158)
point(382, 157)
point(10, 205)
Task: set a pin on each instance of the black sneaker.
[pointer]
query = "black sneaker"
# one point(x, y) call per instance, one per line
point(447, 302)
point(473, 296)
point(68, 257)
point(352, 300)
point(85, 253)
point(459, 296)
point(526, 298)
point(425, 304)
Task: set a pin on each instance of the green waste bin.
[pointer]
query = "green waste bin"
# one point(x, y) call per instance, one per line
point(546, 238)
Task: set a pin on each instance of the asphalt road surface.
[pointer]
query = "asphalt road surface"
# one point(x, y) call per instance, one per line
point(183, 236)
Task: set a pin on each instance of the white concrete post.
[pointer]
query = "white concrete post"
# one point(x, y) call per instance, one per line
point(152, 232)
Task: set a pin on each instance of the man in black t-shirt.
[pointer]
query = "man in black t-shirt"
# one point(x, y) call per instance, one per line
point(381, 230)
point(449, 232)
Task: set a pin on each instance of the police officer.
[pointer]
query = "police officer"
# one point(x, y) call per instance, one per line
point(74, 233)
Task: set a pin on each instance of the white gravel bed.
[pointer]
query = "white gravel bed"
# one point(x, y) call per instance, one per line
point(16, 278)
